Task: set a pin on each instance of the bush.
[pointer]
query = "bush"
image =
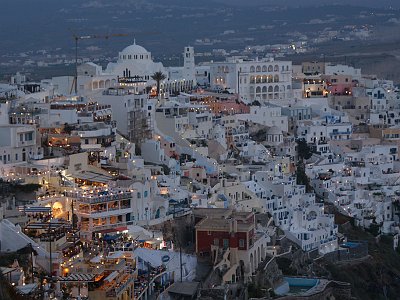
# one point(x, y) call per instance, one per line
point(166, 170)
point(27, 188)
point(255, 291)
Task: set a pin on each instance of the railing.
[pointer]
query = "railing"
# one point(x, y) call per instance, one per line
point(142, 292)
point(98, 199)
point(339, 132)
point(117, 266)
point(105, 226)
point(124, 285)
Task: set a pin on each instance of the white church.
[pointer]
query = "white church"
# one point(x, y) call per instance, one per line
point(136, 66)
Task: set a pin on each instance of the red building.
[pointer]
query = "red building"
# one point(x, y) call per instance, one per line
point(231, 240)
point(224, 229)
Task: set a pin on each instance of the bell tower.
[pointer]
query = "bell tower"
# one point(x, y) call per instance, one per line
point(189, 65)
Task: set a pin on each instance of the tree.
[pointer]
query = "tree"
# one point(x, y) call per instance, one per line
point(303, 150)
point(158, 77)
point(68, 128)
point(303, 153)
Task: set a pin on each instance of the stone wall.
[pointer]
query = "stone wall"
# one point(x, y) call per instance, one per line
point(268, 274)
point(334, 290)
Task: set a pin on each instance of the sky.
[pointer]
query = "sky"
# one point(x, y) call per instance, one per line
point(370, 3)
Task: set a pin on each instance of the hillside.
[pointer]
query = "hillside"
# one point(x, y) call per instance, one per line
point(375, 278)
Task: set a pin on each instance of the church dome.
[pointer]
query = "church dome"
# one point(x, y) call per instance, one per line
point(134, 50)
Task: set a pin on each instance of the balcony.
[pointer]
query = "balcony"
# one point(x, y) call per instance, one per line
point(93, 199)
point(107, 213)
point(25, 143)
point(86, 228)
point(339, 132)
point(115, 266)
point(120, 287)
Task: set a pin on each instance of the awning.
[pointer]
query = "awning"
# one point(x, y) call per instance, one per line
point(96, 260)
point(116, 255)
point(112, 276)
point(79, 277)
point(34, 209)
point(27, 288)
point(109, 230)
point(92, 176)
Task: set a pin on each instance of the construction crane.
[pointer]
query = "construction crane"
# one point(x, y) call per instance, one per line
point(77, 38)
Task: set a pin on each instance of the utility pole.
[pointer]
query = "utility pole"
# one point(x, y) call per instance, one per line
point(51, 257)
point(31, 249)
point(76, 65)
point(180, 260)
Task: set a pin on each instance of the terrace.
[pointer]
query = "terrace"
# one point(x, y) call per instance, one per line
point(94, 196)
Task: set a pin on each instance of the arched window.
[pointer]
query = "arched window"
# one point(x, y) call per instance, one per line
point(258, 79)
point(252, 69)
point(276, 68)
point(270, 68)
point(276, 89)
point(276, 78)
point(264, 79)
point(258, 69)
point(252, 79)
point(258, 90)
point(264, 68)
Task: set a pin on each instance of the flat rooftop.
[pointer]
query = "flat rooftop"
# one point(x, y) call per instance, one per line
point(222, 225)
point(214, 213)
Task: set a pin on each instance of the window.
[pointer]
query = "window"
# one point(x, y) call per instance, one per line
point(241, 243)
point(216, 242)
point(225, 243)
point(29, 136)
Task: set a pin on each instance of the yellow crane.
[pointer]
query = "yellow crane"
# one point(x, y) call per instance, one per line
point(77, 38)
